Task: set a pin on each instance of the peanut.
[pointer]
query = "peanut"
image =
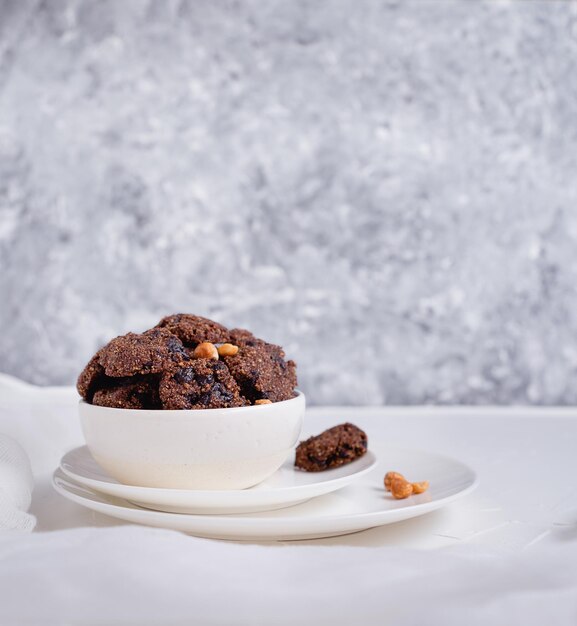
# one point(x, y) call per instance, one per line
point(420, 487)
point(263, 401)
point(389, 477)
point(205, 350)
point(401, 488)
point(227, 349)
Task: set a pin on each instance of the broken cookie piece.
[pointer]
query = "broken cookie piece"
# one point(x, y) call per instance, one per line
point(334, 447)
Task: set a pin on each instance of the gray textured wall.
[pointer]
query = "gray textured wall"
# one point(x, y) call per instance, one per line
point(388, 189)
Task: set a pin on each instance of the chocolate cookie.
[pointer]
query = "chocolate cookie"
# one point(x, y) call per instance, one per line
point(200, 384)
point(262, 372)
point(241, 337)
point(91, 378)
point(152, 352)
point(193, 329)
point(133, 393)
point(334, 447)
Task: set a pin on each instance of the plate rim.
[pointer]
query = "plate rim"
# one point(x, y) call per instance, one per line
point(245, 521)
point(243, 517)
point(220, 494)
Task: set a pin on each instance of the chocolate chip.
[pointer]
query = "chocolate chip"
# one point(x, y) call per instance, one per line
point(184, 375)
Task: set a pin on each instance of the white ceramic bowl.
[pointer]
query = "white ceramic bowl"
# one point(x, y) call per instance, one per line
point(199, 449)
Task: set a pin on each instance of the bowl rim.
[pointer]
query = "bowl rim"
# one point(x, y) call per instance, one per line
point(300, 396)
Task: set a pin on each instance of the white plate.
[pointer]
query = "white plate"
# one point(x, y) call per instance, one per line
point(356, 507)
point(286, 487)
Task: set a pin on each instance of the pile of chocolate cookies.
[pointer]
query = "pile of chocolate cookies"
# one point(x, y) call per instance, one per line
point(187, 362)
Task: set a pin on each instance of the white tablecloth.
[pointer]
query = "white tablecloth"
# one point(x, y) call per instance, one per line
point(506, 554)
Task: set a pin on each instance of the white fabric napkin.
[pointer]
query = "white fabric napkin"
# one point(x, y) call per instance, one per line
point(16, 484)
point(134, 575)
point(125, 575)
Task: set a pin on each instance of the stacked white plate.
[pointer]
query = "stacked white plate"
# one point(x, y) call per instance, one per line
point(291, 504)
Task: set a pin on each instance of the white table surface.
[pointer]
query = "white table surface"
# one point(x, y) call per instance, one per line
point(525, 458)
